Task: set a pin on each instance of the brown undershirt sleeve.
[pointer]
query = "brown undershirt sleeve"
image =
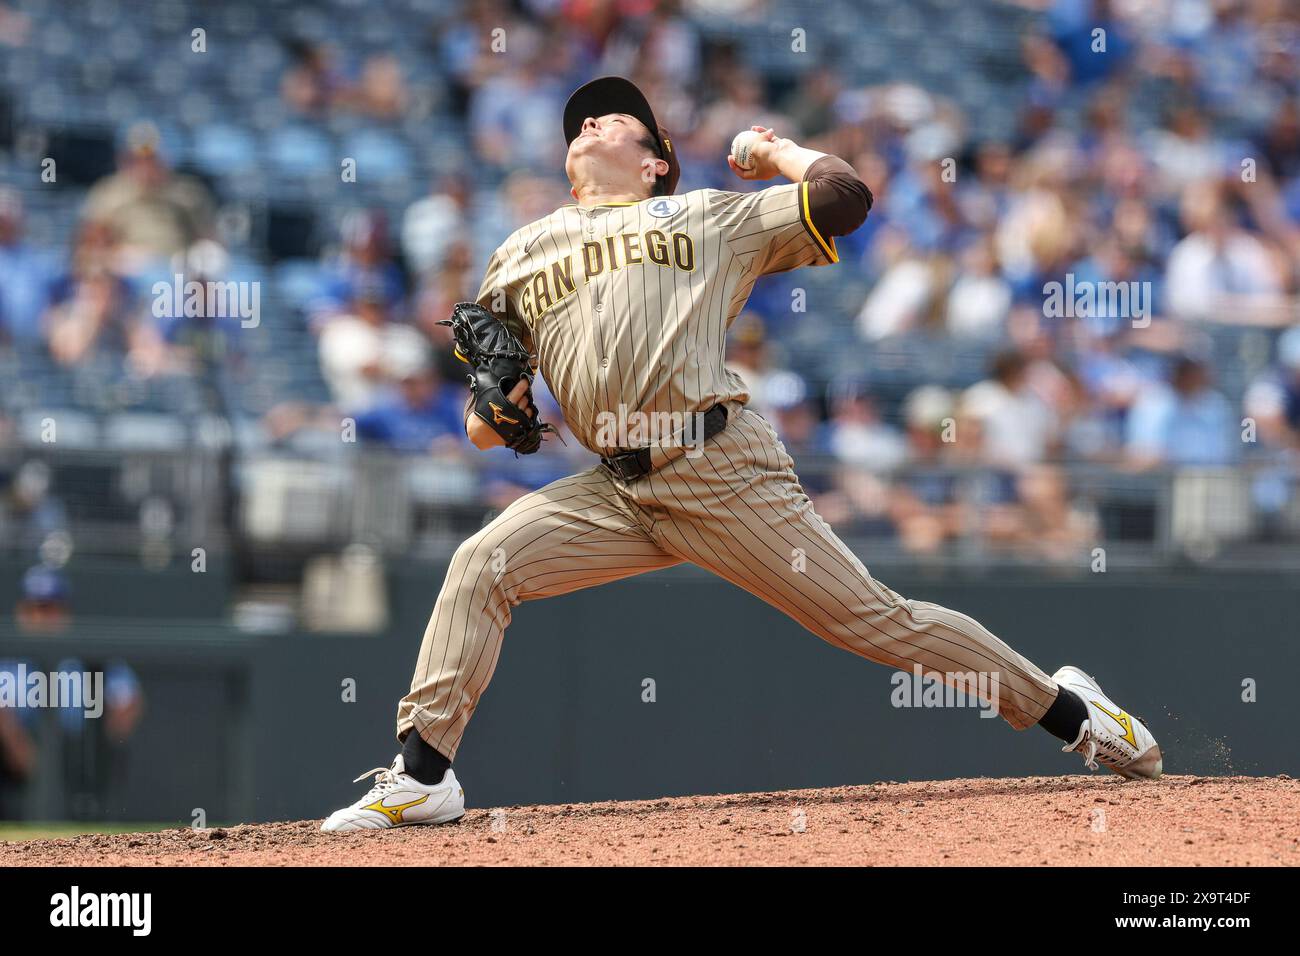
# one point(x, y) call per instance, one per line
point(838, 201)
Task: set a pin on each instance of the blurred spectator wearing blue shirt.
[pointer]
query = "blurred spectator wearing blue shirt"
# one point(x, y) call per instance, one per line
point(95, 312)
point(365, 262)
point(203, 343)
point(41, 609)
point(795, 417)
point(1073, 27)
point(1272, 402)
point(93, 749)
point(1185, 422)
point(1273, 399)
point(420, 415)
point(512, 113)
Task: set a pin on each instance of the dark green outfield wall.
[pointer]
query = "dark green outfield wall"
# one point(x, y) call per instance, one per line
point(253, 728)
point(114, 588)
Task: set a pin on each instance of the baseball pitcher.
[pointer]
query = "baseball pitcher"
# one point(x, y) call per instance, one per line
point(624, 298)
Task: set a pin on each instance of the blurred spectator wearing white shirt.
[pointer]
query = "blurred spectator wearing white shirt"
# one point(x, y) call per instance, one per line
point(1027, 501)
point(432, 224)
point(1016, 427)
point(856, 434)
point(904, 293)
point(1185, 152)
point(980, 300)
point(1219, 271)
point(356, 347)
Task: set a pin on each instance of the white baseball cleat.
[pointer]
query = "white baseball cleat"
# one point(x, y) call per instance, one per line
point(397, 799)
point(1110, 736)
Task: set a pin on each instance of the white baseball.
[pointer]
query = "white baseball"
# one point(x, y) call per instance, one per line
point(742, 147)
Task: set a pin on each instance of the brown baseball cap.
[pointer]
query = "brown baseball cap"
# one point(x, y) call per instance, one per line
point(614, 94)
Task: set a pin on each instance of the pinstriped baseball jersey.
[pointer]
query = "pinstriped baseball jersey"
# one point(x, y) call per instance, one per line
point(627, 305)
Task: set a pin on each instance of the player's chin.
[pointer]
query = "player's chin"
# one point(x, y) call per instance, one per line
point(583, 145)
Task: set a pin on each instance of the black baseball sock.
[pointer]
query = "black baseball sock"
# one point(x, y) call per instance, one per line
point(1065, 715)
point(423, 762)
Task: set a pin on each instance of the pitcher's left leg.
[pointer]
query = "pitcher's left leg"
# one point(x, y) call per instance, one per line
point(738, 510)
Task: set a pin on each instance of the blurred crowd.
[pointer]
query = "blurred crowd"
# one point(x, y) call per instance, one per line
point(1166, 161)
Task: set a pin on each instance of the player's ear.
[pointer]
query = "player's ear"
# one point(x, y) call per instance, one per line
point(652, 168)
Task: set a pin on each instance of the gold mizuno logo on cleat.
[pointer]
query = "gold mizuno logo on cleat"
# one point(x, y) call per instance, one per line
point(395, 813)
point(499, 416)
point(1124, 720)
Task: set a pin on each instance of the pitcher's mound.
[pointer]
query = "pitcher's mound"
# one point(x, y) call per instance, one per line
point(1032, 821)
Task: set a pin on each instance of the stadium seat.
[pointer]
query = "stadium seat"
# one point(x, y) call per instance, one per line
point(300, 151)
point(380, 155)
point(137, 431)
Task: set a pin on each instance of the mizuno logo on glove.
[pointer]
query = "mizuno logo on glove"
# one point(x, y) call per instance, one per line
point(498, 416)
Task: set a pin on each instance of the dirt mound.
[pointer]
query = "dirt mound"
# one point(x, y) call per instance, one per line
point(1031, 821)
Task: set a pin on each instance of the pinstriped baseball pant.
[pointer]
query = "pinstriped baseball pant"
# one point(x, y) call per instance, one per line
point(735, 508)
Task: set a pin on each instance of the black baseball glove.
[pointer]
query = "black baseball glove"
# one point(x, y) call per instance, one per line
point(497, 361)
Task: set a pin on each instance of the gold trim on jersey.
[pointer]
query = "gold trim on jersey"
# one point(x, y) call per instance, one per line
point(598, 205)
point(805, 213)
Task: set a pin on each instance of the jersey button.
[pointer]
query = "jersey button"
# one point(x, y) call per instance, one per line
point(604, 363)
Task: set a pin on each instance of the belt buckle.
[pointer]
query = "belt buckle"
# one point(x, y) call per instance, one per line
point(623, 466)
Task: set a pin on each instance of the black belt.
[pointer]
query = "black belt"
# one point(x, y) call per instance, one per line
point(631, 465)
